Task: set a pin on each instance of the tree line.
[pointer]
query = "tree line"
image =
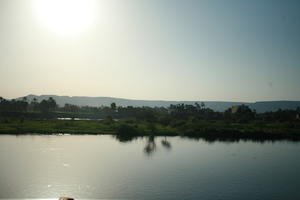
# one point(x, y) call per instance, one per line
point(49, 109)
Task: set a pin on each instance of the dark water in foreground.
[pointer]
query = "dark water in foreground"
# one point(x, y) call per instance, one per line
point(99, 167)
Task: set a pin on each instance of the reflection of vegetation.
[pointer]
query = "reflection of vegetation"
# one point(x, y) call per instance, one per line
point(166, 144)
point(150, 147)
point(125, 138)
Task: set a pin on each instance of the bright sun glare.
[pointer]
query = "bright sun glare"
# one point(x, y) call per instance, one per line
point(65, 17)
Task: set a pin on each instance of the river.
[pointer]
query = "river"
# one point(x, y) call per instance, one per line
point(98, 167)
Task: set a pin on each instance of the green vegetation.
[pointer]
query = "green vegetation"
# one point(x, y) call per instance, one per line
point(127, 129)
point(239, 122)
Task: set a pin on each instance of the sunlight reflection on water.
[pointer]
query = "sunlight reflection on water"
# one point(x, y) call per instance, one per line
point(101, 167)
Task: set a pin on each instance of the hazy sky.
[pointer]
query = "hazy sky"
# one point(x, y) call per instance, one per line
point(232, 50)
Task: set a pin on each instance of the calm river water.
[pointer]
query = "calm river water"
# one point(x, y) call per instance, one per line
point(98, 167)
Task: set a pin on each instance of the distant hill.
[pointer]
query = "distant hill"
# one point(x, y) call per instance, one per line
point(215, 105)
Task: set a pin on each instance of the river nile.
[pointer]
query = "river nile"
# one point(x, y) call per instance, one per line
point(102, 167)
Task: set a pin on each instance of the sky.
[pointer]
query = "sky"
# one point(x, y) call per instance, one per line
point(213, 50)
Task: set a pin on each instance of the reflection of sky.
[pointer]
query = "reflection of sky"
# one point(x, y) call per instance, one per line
point(101, 167)
point(172, 50)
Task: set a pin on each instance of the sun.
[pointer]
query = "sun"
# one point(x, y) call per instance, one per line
point(65, 17)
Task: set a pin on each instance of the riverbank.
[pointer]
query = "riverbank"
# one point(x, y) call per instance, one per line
point(133, 128)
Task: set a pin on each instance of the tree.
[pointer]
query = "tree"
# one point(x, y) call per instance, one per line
point(202, 105)
point(198, 106)
point(47, 106)
point(52, 104)
point(113, 106)
point(34, 105)
point(244, 113)
point(23, 105)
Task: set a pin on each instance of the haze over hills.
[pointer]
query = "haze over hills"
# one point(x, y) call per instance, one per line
point(262, 106)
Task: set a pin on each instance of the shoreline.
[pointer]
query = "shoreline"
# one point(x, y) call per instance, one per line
point(127, 130)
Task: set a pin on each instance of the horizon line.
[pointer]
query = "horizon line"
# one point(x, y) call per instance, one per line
point(132, 99)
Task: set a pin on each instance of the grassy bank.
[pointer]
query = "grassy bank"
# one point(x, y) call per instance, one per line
point(213, 129)
point(13, 126)
point(134, 128)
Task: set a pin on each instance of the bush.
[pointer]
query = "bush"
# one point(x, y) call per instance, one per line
point(125, 129)
point(126, 133)
point(108, 120)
